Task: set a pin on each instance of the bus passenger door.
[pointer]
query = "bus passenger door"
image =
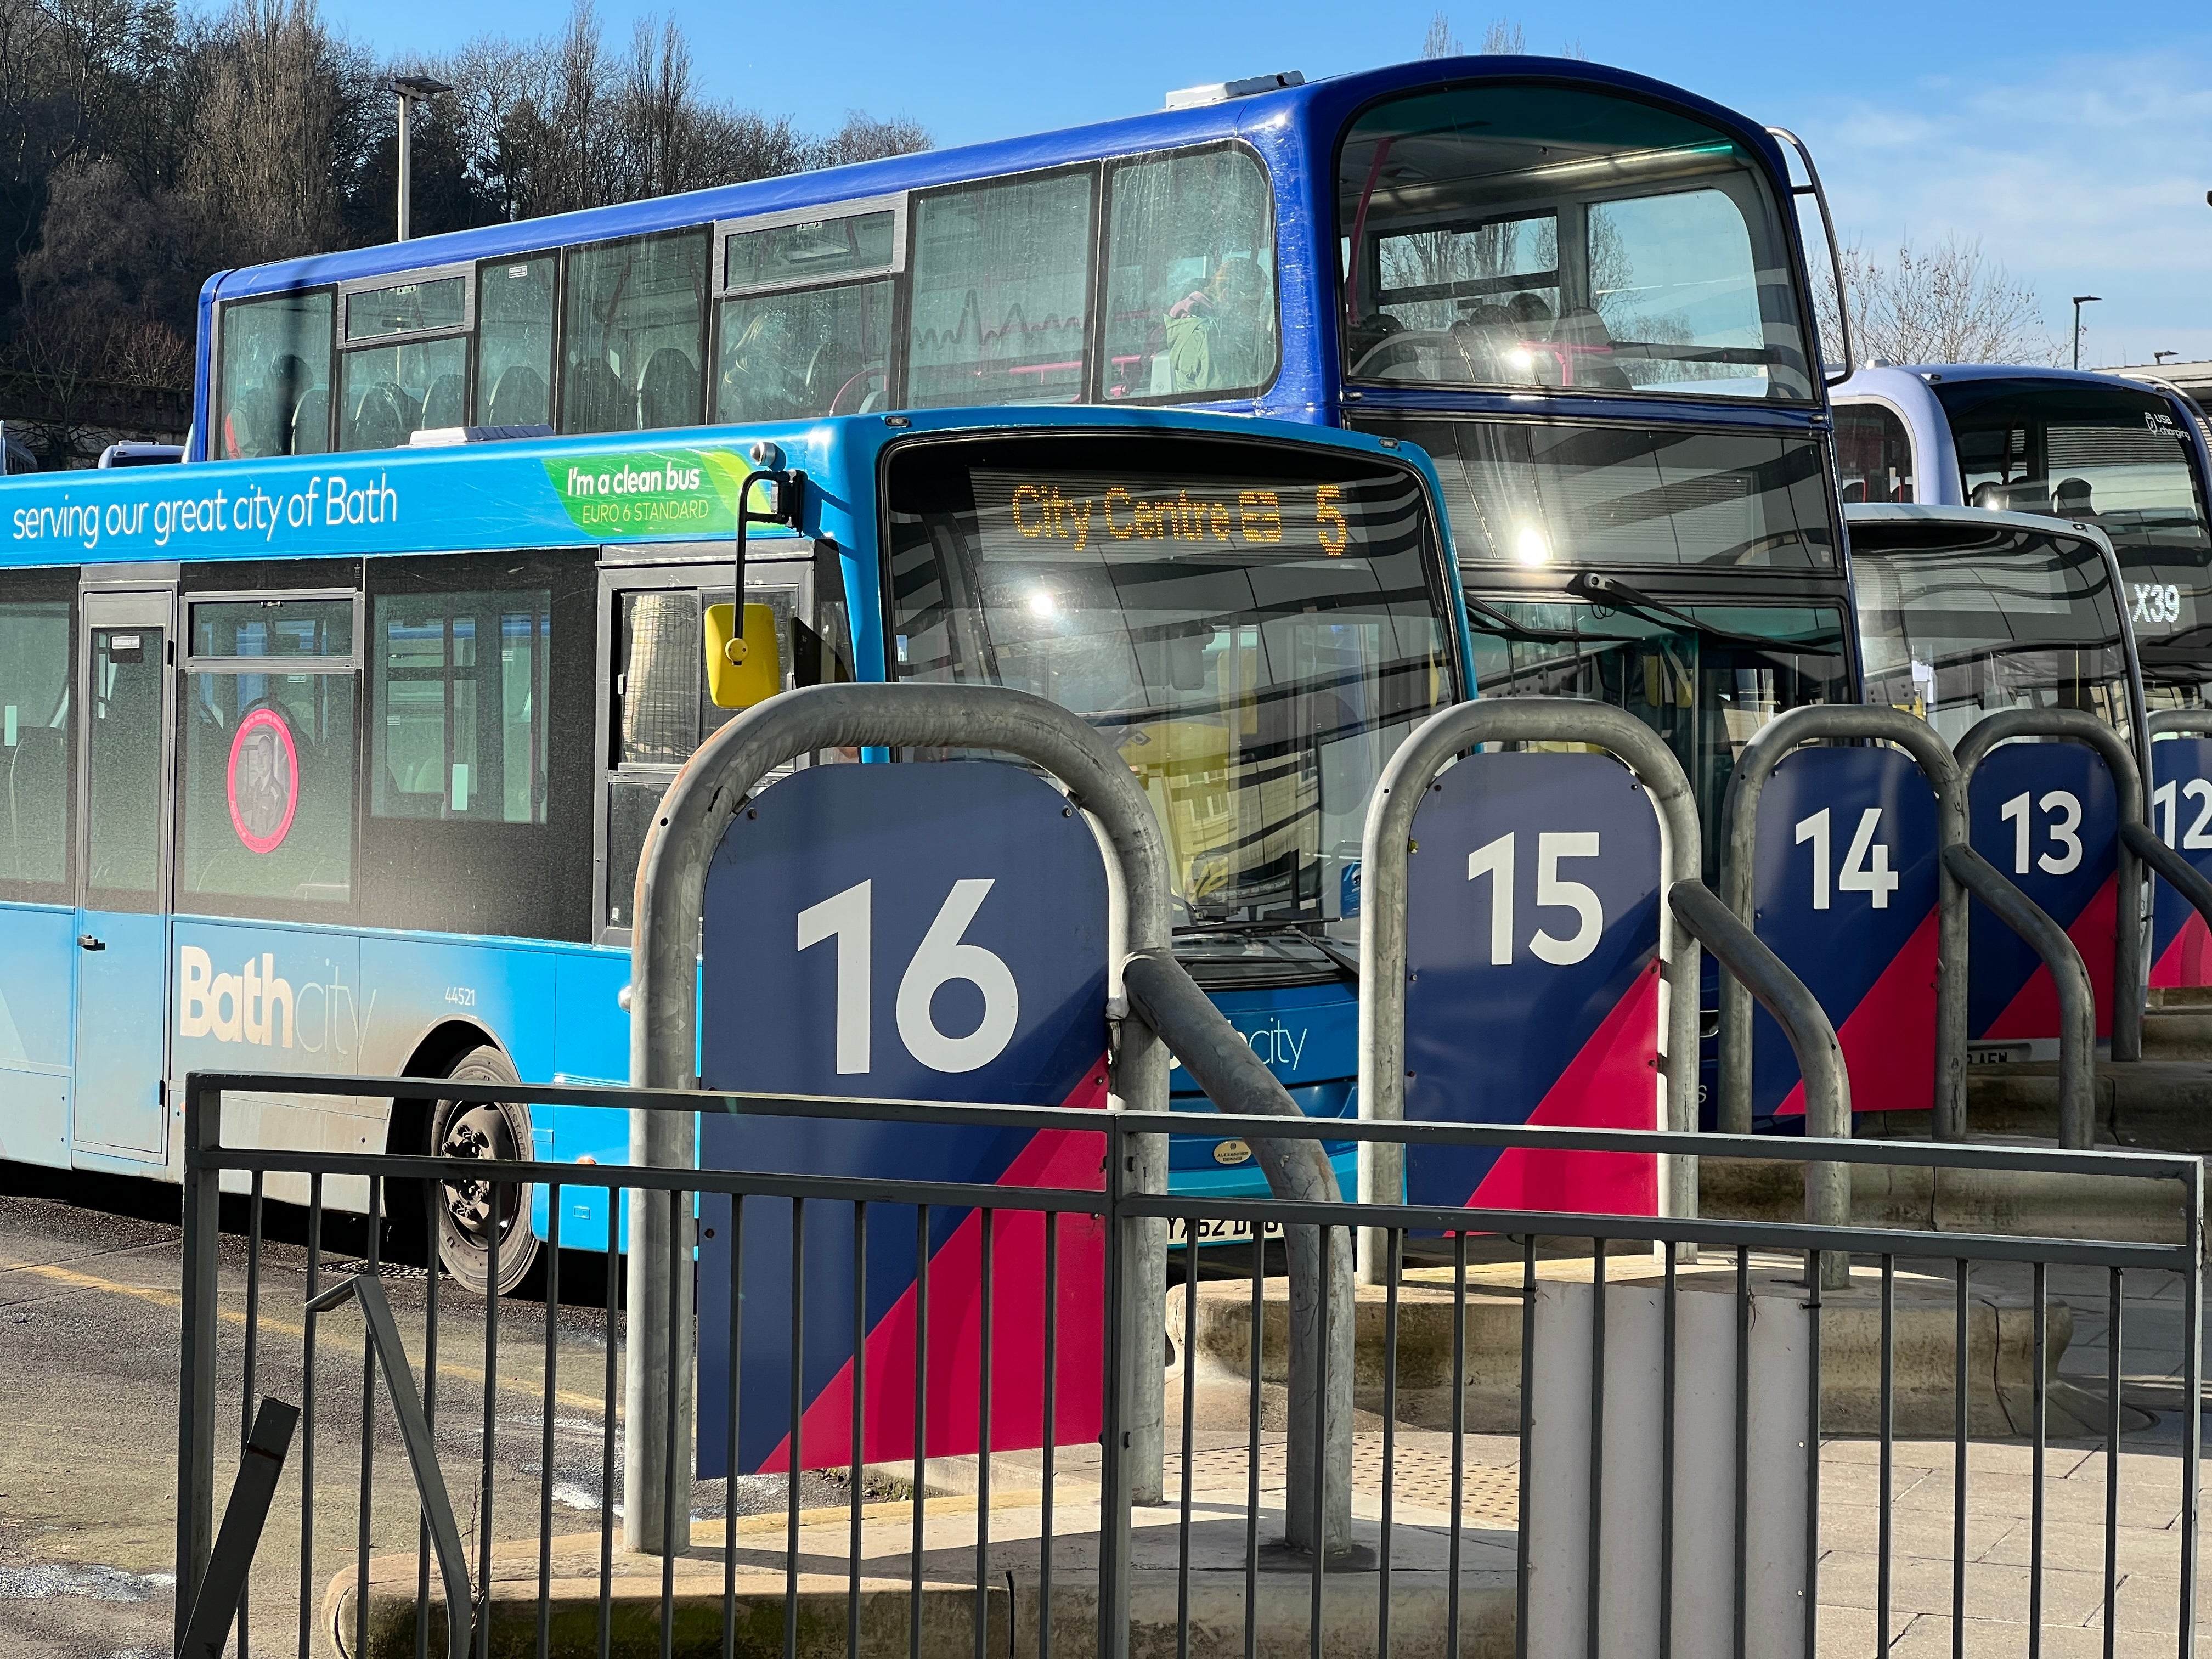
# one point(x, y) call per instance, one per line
point(122, 997)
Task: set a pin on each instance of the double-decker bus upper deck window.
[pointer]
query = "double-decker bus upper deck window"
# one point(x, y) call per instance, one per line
point(514, 342)
point(813, 251)
point(636, 331)
point(1957, 623)
point(1873, 455)
point(275, 380)
point(1254, 629)
point(388, 392)
point(2117, 458)
point(37, 641)
point(1561, 496)
point(265, 803)
point(1516, 235)
point(1190, 277)
point(797, 354)
point(1001, 293)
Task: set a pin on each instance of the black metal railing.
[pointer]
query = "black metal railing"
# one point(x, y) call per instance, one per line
point(1584, 1374)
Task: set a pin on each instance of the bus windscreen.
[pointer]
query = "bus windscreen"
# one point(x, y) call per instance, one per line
point(1524, 235)
point(1706, 677)
point(1957, 624)
point(1253, 630)
point(2119, 459)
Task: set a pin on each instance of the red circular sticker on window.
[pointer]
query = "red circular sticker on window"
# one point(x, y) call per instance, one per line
point(264, 781)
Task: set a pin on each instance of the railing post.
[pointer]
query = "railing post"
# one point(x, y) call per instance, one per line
point(1317, 1474)
point(196, 1378)
point(1746, 960)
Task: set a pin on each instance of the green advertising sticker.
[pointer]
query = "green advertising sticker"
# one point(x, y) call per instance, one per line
point(658, 492)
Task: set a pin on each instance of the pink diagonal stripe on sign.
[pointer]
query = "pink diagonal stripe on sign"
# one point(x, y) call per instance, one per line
point(1054, 1159)
point(1889, 1039)
point(1612, 1084)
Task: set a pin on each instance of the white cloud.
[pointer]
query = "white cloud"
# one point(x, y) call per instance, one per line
point(2086, 177)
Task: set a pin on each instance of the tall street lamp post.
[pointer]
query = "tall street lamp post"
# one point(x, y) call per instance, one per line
point(409, 88)
point(2080, 300)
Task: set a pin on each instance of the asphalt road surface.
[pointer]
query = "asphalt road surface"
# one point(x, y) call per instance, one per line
point(89, 1338)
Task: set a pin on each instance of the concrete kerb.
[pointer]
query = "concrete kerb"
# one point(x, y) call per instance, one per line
point(1010, 1589)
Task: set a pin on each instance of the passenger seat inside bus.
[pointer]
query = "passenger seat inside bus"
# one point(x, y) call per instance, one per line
point(518, 399)
point(2071, 499)
point(668, 390)
point(441, 404)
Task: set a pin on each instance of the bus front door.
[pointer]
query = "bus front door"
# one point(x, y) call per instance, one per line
point(122, 994)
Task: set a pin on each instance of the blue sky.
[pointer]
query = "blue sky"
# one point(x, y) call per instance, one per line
point(2075, 141)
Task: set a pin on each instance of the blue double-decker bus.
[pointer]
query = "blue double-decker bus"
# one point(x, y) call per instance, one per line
point(343, 764)
point(1583, 292)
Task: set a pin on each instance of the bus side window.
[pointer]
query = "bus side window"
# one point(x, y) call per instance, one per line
point(636, 325)
point(37, 724)
point(1000, 296)
point(1190, 286)
point(265, 805)
point(1874, 457)
point(514, 342)
point(276, 388)
point(458, 684)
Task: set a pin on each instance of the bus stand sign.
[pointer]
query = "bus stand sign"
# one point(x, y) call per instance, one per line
point(2047, 816)
point(1532, 954)
point(932, 931)
point(2181, 817)
point(1844, 890)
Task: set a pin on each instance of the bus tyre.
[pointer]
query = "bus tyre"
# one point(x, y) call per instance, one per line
point(464, 1214)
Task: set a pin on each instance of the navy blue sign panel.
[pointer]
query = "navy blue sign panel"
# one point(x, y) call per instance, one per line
point(2181, 817)
point(1532, 947)
point(929, 930)
point(2047, 816)
point(1843, 890)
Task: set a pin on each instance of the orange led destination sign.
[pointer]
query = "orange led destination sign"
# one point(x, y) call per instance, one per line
point(1074, 512)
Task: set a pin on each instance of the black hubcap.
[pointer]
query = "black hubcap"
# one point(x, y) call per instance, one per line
point(477, 1207)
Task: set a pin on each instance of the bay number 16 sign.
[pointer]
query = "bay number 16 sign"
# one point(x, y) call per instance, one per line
point(924, 930)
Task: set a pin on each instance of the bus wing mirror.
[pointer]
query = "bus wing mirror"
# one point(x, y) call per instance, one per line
point(742, 669)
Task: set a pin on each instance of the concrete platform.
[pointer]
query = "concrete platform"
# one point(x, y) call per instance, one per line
point(2000, 1350)
point(1925, 1199)
point(2152, 1104)
point(1004, 1589)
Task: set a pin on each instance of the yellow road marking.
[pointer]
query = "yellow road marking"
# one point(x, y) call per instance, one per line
point(84, 1281)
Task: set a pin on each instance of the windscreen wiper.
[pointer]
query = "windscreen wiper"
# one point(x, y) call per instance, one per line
point(1522, 631)
point(1596, 589)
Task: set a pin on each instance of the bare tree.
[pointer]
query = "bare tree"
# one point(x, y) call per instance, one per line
point(1503, 39)
point(1950, 304)
point(1440, 41)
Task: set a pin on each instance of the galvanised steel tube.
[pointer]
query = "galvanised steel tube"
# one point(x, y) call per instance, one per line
point(1777, 738)
point(2184, 878)
point(672, 879)
point(2078, 1000)
point(1238, 1080)
point(1450, 732)
point(2078, 726)
point(1746, 960)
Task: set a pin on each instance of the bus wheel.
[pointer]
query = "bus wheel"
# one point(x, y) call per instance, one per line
point(463, 1215)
